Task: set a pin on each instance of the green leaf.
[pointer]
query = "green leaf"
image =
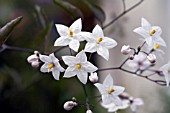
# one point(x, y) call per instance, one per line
point(6, 30)
point(71, 9)
point(97, 11)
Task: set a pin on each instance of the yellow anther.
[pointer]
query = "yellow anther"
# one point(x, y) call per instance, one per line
point(70, 33)
point(152, 32)
point(50, 66)
point(78, 66)
point(157, 46)
point(111, 91)
point(99, 40)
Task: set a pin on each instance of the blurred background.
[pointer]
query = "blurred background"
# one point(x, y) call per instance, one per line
point(24, 89)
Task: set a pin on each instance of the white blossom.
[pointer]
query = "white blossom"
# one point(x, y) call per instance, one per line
point(78, 66)
point(151, 34)
point(97, 42)
point(70, 35)
point(166, 71)
point(125, 49)
point(135, 102)
point(93, 77)
point(69, 105)
point(109, 92)
point(51, 64)
point(34, 59)
point(89, 111)
point(151, 58)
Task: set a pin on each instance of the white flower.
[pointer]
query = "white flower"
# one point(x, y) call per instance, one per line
point(139, 62)
point(158, 52)
point(93, 77)
point(150, 33)
point(96, 41)
point(135, 102)
point(69, 105)
point(166, 71)
point(51, 65)
point(89, 111)
point(70, 35)
point(109, 92)
point(78, 66)
point(151, 58)
point(113, 107)
point(34, 59)
point(125, 49)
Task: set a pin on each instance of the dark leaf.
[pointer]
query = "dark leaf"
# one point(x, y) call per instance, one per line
point(71, 9)
point(6, 30)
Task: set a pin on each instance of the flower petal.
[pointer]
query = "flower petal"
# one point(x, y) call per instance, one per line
point(74, 45)
point(101, 88)
point(141, 32)
point(88, 36)
point(45, 58)
point(150, 42)
point(98, 31)
point(44, 68)
point(160, 41)
point(53, 58)
point(116, 100)
point(158, 30)
point(118, 90)
point(62, 29)
point(106, 99)
point(82, 76)
point(89, 67)
point(56, 73)
point(108, 43)
point(90, 47)
point(76, 26)
point(145, 24)
point(81, 56)
point(69, 60)
point(108, 81)
point(138, 101)
point(102, 51)
point(70, 72)
point(62, 41)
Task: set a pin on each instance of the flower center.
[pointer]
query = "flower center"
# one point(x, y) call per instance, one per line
point(78, 66)
point(152, 32)
point(99, 40)
point(70, 33)
point(50, 66)
point(157, 46)
point(111, 90)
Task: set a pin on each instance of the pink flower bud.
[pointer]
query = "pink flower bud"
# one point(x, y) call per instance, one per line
point(32, 58)
point(35, 64)
point(69, 105)
point(125, 49)
point(93, 77)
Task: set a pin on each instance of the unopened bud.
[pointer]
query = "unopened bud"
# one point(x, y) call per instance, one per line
point(35, 64)
point(131, 57)
point(93, 77)
point(32, 58)
point(125, 49)
point(89, 111)
point(151, 58)
point(69, 105)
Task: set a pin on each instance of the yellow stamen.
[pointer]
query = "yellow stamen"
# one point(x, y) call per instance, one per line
point(78, 66)
point(99, 40)
point(157, 46)
point(70, 33)
point(152, 32)
point(50, 66)
point(111, 91)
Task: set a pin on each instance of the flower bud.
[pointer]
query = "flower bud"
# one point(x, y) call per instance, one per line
point(125, 49)
point(89, 111)
point(32, 58)
point(35, 64)
point(131, 57)
point(69, 105)
point(151, 58)
point(93, 77)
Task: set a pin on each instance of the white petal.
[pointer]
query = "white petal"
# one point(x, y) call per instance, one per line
point(76, 26)
point(160, 41)
point(70, 72)
point(90, 47)
point(62, 41)
point(98, 31)
point(45, 58)
point(62, 29)
point(53, 58)
point(138, 101)
point(116, 100)
point(56, 74)
point(133, 107)
point(74, 45)
point(82, 76)
point(32, 58)
point(158, 30)
point(81, 56)
point(106, 99)
point(141, 32)
point(118, 90)
point(108, 43)
point(89, 67)
point(108, 81)
point(44, 68)
point(145, 24)
point(150, 42)
point(101, 88)
point(102, 51)
point(69, 60)
point(88, 36)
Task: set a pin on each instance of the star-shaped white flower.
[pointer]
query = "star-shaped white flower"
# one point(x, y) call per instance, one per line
point(51, 64)
point(135, 102)
point(166, 71)
point(78, 66)
point(70, 35)
point(109, 92)
point(140, 62)
point(96, 41)
point(150, 33)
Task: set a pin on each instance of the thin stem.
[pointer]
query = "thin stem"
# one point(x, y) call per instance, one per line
point(124, 5)
point(87, 98)
point(122, 14)
point(90, 56)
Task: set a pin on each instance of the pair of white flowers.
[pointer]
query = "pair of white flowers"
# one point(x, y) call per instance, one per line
point(96, 41)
